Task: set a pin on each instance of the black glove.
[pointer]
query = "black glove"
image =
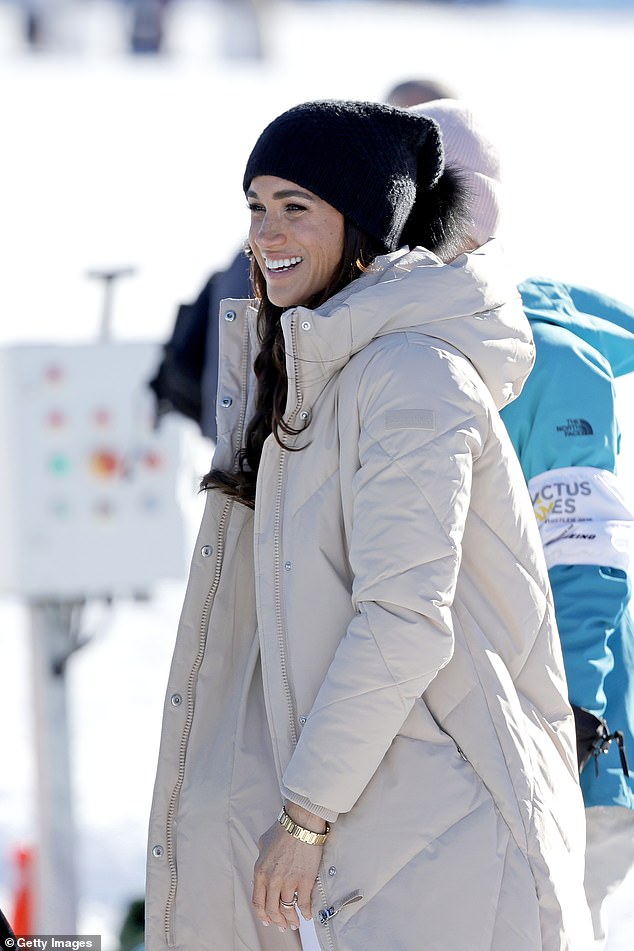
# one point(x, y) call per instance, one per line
point(594, 738)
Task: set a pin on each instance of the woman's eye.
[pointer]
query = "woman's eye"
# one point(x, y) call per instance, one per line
point(255, 209)
point(294, 207)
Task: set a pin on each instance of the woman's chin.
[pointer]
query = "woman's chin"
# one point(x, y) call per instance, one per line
point(280, 299)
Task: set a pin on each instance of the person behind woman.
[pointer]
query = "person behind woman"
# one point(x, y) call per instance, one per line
point(565, 432)
point(367, 657)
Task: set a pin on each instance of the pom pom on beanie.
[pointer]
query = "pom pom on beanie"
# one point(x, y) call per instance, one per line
point(475, 158)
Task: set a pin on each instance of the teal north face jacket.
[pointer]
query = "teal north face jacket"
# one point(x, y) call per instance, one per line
point(566, 434)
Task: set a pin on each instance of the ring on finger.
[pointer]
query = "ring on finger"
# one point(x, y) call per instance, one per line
point(289, 904)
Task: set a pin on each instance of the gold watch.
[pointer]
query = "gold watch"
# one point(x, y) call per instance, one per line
point(299, 832)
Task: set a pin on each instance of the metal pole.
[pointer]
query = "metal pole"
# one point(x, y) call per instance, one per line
point(52, 627)
point(108, 277)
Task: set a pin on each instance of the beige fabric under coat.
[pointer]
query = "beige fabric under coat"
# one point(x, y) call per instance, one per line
point(392, 586)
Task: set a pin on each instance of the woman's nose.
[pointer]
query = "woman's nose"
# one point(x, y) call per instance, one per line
point(269, 232)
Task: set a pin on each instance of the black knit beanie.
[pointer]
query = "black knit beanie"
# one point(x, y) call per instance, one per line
point(369, 161)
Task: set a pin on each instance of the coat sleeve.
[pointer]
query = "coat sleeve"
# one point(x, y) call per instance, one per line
point(422, 423)
point(590, 601)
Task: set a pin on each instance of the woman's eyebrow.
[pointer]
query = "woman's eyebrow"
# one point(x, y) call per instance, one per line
point(284, 193)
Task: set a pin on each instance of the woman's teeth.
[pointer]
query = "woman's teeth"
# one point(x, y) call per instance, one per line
point(282, 264)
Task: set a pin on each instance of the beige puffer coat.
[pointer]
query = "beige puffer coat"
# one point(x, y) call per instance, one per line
point(377, 642)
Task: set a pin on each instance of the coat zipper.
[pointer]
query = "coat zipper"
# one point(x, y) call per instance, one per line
point(244, 383)
point(326, 914)
point(279, 611)
point(191, 686)
point(193, 676)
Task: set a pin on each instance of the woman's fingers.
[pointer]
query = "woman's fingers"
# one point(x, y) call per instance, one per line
point(285, 867)
point(289, 913)
point(303, 899)
point(273, 907)
point(259, 897)
point(268, 898)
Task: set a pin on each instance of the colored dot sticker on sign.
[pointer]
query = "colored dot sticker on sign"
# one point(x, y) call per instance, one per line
point(56, 419)
point(59, 464)
point(104, 508)
point(104, 463)
point(102, 417)
point(152, 459)
point(53, 373)
point(60, 508)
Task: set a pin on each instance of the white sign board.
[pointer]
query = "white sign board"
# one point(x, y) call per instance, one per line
point(88, 504)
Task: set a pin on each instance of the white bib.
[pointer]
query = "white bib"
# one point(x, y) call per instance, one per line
point(308, 934)
point(583, 516)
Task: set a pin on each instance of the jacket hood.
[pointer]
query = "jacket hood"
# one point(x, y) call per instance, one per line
point(604, 323)
point(470, 304)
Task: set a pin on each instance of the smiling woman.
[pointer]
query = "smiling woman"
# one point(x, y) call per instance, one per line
point(371, 715)
point(296, 238)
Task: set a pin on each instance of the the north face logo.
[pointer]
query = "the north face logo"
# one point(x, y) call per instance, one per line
point(576, 427)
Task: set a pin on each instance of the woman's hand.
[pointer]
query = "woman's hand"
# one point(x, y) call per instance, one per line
point(286, 867)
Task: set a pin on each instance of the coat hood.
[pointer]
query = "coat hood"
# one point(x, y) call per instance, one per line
point(604, 323)
point(469, 304)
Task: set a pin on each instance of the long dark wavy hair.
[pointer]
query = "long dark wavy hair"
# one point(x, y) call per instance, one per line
point(443, 229)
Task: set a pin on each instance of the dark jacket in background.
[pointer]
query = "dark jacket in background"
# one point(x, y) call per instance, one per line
point(187, 377)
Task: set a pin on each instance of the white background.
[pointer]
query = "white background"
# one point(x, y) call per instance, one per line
point(108, 160)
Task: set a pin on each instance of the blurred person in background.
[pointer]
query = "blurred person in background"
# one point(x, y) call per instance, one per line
point(413, 92)
point(565, 431)
point(40, 22)
point(367, 638)
point(186, 380)
point(147, 25)
point(34, 23)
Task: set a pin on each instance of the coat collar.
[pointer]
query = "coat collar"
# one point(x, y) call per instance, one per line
point(469, 304)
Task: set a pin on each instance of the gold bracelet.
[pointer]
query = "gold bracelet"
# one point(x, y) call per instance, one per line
point(299, 832)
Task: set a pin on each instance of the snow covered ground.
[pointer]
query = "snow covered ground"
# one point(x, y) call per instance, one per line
point(112, 161)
